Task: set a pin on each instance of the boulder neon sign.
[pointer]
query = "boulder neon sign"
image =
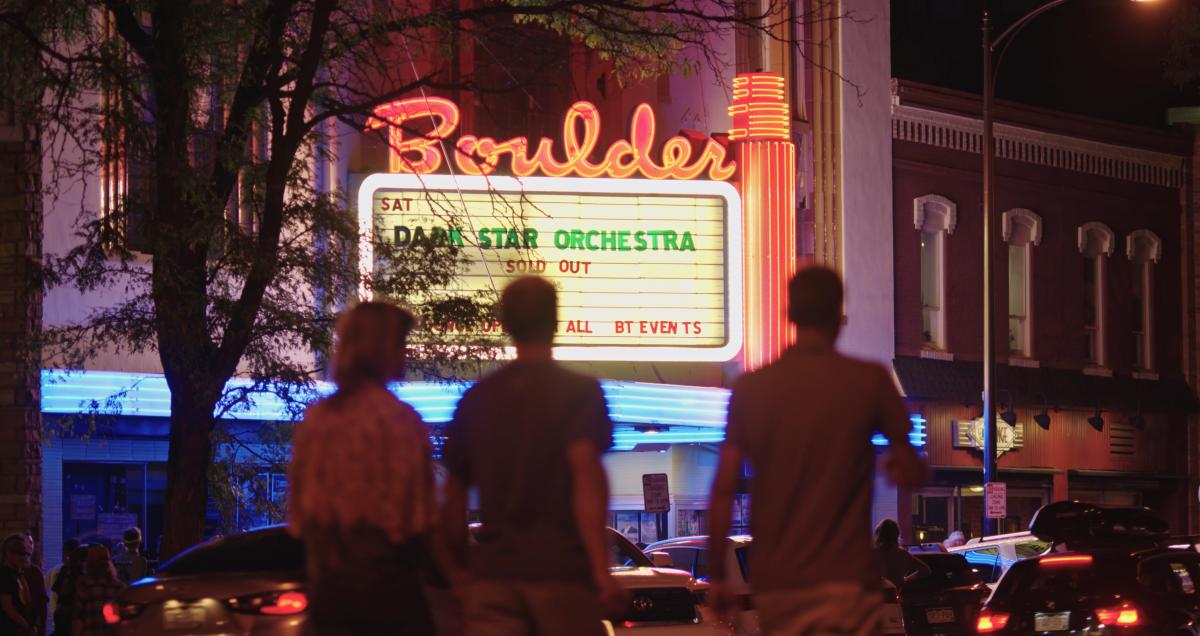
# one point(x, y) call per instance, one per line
point(480, 156)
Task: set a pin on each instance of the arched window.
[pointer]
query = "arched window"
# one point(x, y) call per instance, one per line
point(1144, 250)
point(934, 217)
point(1096, 244)
point(1022, 230)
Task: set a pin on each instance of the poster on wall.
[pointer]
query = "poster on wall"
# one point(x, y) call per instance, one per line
point(646, 269)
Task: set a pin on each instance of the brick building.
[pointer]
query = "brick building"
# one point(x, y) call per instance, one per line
point(1092, 311)
point(20, 320)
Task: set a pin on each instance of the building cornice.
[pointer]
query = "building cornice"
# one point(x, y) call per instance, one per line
point(1016, 143)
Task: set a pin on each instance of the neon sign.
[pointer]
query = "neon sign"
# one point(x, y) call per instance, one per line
point(480, 156)
point(646, 269)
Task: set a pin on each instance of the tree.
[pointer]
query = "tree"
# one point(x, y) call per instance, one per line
point(208, 121)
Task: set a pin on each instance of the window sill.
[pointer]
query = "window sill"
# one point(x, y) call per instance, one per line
point(1102, 372)
point(934, 354)
point(1145, 375)
point(1024, 362)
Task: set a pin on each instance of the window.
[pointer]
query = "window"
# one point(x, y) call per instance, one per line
point(986, 563)
point(1144, 249)
point(934, 217)
point(1096, 245)
point(1022, 230)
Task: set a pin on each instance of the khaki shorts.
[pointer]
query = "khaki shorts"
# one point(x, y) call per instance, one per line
point(516, 608)
point(832, 609)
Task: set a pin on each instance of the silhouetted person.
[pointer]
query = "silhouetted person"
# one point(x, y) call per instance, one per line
point(804, 424)
point(361, 486)
point(131, 564)
point(39, 598)
point(98, 585)
point(529, 436)
point(63, 586)
point(15, 596)
point(895, 563)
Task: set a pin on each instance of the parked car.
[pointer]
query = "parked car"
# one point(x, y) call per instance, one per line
point(992, 556)
point(1110, 571)
point(947, 601)
point(691, 554)
point(241, 584)
point(253, 583)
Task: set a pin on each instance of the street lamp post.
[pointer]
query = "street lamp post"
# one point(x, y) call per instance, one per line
point(990, 47)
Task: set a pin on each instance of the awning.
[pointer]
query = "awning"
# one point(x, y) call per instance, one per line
point(962, 382)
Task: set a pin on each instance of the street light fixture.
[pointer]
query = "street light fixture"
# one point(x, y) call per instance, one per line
point(990, 47)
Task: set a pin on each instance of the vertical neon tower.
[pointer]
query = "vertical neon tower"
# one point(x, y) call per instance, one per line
point(767, 162)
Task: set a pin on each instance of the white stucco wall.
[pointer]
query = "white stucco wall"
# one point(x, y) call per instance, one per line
point(867, 181)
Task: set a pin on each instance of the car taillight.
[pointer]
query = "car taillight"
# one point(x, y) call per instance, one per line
point(112, 615)
point(991, 622)
point(1066, 560)
point(1124, 616)
point(271, 604)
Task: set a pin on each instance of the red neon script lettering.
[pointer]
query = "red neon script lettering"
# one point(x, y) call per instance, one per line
point(581, 131)
point(393, 115)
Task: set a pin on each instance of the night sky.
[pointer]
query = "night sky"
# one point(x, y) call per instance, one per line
point(1102, 58)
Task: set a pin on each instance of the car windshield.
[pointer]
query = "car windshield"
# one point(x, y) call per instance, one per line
point(1101, 577)
point(946, 570)
point(266, 550)
point(622, 552)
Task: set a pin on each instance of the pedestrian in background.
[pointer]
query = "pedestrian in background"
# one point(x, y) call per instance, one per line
point(895, 563)
point(39, 598)
point(98, 585)
point(15, 597)
point(529, 437)
point(52, 574)
point(132, 564)
point(361, 486)
point(63, 586)
point(956, 539)
point(804, 425)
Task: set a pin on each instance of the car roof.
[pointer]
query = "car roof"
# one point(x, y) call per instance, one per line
point(998, 538)
point(698, 540)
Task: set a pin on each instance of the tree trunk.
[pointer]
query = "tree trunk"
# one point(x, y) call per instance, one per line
point(187, 472)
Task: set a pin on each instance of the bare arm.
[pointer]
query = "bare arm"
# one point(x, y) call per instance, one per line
point(590, 501)
point(454, 521)
point(904, 467)
point(919, 570)
point(720, 508)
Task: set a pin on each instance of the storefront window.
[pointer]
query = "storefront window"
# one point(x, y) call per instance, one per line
point(642, 528)
point(102, 500)
point(691, 522)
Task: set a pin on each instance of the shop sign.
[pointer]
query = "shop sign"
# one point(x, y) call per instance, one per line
point(112, 525)
point(480, 156)
point(83, 507)
point(656, 494)
point(969, 434)
point(646, 269)
point(996, 499)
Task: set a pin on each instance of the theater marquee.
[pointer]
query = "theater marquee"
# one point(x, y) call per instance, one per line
point(646, 269)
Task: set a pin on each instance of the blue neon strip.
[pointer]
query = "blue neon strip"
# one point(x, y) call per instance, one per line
point(701, 410)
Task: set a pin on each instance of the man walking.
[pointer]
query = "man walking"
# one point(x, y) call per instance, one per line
point(804, 424)
point(529, 436)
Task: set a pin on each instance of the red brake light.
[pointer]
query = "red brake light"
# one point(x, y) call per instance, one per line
point(272, 604)
point(991, 622)
point(112, 614)
point(1066, 560)
point(286, 604)
point(1123, 616)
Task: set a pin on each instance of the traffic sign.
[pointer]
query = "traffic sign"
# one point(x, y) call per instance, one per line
point(655, 492)
point(996, 499)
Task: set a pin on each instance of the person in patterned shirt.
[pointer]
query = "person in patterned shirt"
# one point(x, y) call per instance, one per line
point(98, 585)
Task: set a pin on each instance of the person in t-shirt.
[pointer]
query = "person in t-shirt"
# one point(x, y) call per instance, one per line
point(15, 598)
point(895, 563)
point(804, 425)
point(131, 564)
point(529, 436)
